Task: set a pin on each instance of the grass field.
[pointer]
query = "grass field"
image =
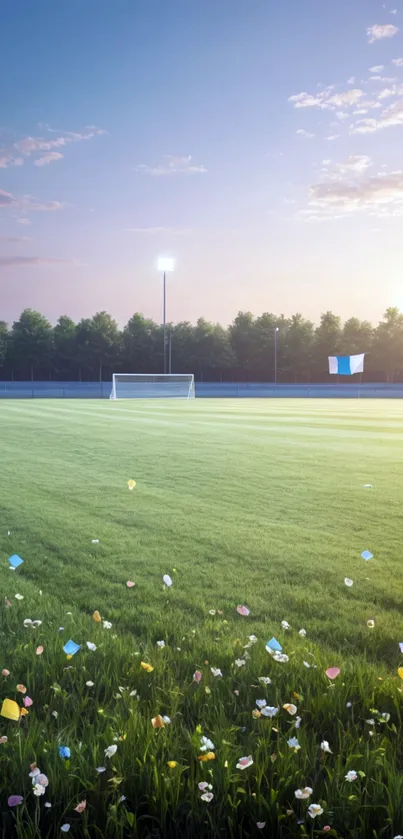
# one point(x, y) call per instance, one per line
point(255, 502)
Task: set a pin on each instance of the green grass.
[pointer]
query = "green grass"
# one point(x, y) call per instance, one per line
point(254, 502)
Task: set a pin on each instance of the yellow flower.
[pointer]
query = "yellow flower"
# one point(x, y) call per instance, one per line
point(206, 757)
point(24, 712)
point(10, 710)
point(256, 714)
point(400, 672)
point(131, 484)
point(96, 616)
point(21, 688)
point(69, 656)
point(172, 764)
point(158, 722)
point(147, 667)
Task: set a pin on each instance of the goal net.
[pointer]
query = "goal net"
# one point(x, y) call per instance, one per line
point(152, 386)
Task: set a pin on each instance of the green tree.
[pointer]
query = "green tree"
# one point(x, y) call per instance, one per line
point(97, 345)
point(213, 349)
point(4, 339)
point(298, 349)
point(357, 337)
point(328, 338)
point(64, 338)
point(387, 353)
point(242, 333)
point(32, 344)
point(142, 346)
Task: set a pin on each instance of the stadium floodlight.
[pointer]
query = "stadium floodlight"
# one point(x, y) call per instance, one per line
point(166, 265)
point(152, 386)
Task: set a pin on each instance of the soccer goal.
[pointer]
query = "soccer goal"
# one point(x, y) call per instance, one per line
point(152, 386)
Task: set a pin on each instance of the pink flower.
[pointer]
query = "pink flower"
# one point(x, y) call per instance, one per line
point(5, 673)
point(28, 701)
point(197, 676)
point(130, 584)
point(333, 672)
point(81, 806)
point(243, 610)
point(14, 800)
point(39, 650)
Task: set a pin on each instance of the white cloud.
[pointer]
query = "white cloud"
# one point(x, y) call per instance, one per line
point(27, 203)
point(49, 157)
point(333, 137)
point(172, 166)
point(377, 69)
point(393, 115)
point(303, 133)
point(326, 99)
point(378, 32)
point(351, 80)
point(15, 154)
point(348, 189)
point(356, 163)
point(398, 62)
point(342, 115)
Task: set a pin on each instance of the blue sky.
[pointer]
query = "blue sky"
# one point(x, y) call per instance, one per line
point(258, 144)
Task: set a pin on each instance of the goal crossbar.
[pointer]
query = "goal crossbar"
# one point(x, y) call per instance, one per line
point(152, 386)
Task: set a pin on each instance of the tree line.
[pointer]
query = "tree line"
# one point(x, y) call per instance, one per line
point(96, 347)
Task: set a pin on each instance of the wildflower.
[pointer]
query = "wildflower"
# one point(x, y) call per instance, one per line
point(207, 796)
point(315, 810)
point(39, 790)
point(65, 828)
point(349, 704)
point(371, 624)
point(5, 672)
point(110, 751)
point(385, 717)
point(292, 709)
point(131, 484)
point(261, 703)
point(206, 744)
point(303, 794)
point(240, 662)
point(147, 667)
point(3, 739)
point(285, 625)
point(256, 714)
point(252, 639)
point(216, 671)
point(212, 612)
point(91, 646)
point(172, 764)
point(100, 769)
point(203, 785)
point(96, 616)
point(243, 610)
point(19, 597)
point(264, 680)
point(325, 747)
point(244, 762)
point(206, 757)
point(39, 650)
point(400, 672)
point(302, 633)
point(41, 779)
point(261, 825)
point(133, 693)
point(307, 665)
point(236, 692)
point(293, 743)
point(167, 580)
point(55, 714)
point(161, 644)
point(157, 722)
point(64, 752)
point(90, 684)
point(351, 776)
point(282, 658)
point(333, 672)
point(130, 584)
point(27, 622)
point(21, 689)
point(269, 711)
point(27, 701)
point(348, 582)
point(14, 800)
point(81, 806)
point(107, 625)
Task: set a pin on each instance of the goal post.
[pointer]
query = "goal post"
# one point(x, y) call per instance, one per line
point(152, 386)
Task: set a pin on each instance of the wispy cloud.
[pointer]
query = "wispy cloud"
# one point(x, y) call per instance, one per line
point(27, 203)
point(326, 99)
point(398, 62)
point(380, 31)
point(156, 231)
point(377, 69)
point(391, 116)
point(15, 153)
point(12, 261)
point(348, 189)
point(49, 157)
point(307, 134)
point(172, 166)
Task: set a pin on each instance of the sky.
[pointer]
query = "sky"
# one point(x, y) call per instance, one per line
point(258, 144)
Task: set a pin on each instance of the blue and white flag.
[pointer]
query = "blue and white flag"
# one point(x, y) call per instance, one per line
point(346, 365)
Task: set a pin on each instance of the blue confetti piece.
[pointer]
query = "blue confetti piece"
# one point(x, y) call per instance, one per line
point(367, 555)
point(71, 648)
point(273, 644)
point(15, 561)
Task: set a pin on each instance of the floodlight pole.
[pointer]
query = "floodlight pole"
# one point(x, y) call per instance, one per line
point(170, 351)
point(275, 355)
point(165, 322)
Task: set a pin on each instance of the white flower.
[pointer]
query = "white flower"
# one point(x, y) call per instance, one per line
point(101, 769)
point(91, 646)
point(167, 580)
point(167, 720)
point(385, 717)
point(315, 810)
point(261, 703)
point(212, 612)
point(306, 663)
point(348, 582)
point(47, 804)
point(240, 662)
point(133, 693)
point(269, 711)
point(264, 680)
point(206, 745)
point(349, 704)
point(281, 657)
point(107, 625)
point(302, 633)
point(325, 747)
point(27, 622)
point(204, 785)
point(19, 597)
point(302, 794)
point(244, 762)
point(39, 790)
point(370, 722)
point(261, 825)
point(293, 743)
point(351, 776)
point(252, 639)
point(285, 625)
point(55, 714)
point(110, 751)
point(161, 644)
point(90, 684)
point(43, 780)
point(371, 624)
point(34, 774)
point(292, 709)
point(216, 671)
point(207, 796)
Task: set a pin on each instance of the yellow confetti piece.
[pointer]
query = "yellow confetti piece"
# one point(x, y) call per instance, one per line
point(131, 484)
point(96, 617)
point(10, 710)
point(158, 722)
point(400, 672)
point(172, 764)
point(69, 656)
point(24, 712)
point(206, 757)
point(147, 667)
